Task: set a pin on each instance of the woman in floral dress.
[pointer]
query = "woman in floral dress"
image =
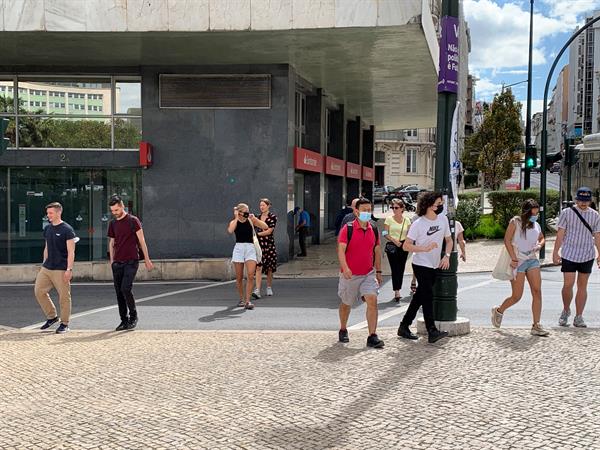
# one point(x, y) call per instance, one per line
point(266, 239)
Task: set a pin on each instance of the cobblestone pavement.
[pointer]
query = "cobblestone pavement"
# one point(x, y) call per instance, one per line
point(170, 390)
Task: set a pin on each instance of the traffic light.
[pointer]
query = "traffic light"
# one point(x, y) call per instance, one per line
point(552, 158)
point(571, 155)
point(4, 141)
point(530, 157)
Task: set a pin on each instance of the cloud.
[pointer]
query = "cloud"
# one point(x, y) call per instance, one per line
point(571, 11)
point(536, 106)
point(485, 89)
point(500, 34)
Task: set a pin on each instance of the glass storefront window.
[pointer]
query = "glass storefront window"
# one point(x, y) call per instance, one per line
point(71, 96)
point(67, 133)
point(84, 195)
point(128, 96)
point(73, 112)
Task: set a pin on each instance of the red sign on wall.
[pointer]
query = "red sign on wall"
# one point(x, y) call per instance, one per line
point(307, 160)
point(368, 174)
point(353, 170)
point(334, 166)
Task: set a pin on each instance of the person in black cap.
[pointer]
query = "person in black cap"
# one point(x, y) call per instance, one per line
point(578, 232)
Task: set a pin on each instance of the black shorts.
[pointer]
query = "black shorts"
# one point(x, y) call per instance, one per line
point(581, 267)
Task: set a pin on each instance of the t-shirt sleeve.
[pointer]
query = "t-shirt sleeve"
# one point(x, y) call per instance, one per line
point(388, 221)
point(596, 224)
point(110, 233)
point(458, 227)
point(413, 232)
point(447, 232)
point(70, 234)
point(343, 237)
point(562, 220)
point(137, 224)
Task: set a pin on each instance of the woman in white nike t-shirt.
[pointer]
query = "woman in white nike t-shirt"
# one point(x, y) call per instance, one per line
point(523, 239)
point(425, 239)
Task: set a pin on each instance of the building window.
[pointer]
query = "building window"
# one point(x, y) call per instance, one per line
point(73, 124)
point(412, 133)
point(379, 156)
point(411, 160)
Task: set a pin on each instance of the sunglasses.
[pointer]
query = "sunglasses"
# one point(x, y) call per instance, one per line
point(397, 207)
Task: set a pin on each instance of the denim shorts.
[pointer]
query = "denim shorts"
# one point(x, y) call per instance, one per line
point(527, 265)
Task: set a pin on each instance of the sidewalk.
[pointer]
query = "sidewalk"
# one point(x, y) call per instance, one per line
point(321, 261)
point(194, 390)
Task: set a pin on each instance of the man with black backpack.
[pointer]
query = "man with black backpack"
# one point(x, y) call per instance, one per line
point(359, 253)
point(126, 247)
point(578, 232)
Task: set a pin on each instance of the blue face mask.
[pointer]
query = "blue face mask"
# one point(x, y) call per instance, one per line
point(533, 219)
point(364, 216)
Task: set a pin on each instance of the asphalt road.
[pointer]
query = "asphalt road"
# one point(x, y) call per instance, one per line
point(552, 180)
point(298, 304)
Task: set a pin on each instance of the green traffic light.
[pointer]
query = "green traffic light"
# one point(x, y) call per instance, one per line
point(530, 163)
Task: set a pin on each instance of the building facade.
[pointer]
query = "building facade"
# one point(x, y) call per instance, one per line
point(239, 100)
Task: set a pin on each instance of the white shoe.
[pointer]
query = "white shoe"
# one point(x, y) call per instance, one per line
point(537, 330)
point(269, 292)
point(256, 294)
point(578, 322)
point(496, 317)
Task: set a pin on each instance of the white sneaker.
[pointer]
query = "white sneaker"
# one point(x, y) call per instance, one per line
point(564, 318)
point(256, 294)
point(496, 317)
point(269, 292)
point(578, 322)
point(537, 330)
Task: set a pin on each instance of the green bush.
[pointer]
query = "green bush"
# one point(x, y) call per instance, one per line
point(470, 196)
point(469, 215)
point(489, 228)
point(507, 204)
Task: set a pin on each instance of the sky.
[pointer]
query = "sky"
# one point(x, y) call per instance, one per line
point(500, 40)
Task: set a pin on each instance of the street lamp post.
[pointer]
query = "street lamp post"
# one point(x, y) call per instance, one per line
point(527, 173)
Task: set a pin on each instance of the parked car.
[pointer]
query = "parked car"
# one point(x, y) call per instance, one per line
point(412, 190)
point(381, 192)
point(554, 168)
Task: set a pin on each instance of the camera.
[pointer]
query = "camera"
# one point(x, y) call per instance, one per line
point(246, 214)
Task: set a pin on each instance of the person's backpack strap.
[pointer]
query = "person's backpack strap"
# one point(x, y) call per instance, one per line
point(349, 233)
point(585, 224)
point(376, 231)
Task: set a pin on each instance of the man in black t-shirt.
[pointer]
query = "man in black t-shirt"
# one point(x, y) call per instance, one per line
point(57, 268)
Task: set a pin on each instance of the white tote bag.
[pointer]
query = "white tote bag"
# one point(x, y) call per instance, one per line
point(503, 270)
point(256, 245)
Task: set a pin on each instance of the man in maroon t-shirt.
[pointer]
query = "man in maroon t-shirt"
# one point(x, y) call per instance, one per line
point(126, 240)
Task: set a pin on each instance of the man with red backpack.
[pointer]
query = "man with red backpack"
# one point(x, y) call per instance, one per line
point(359, 254)
point(126, 247)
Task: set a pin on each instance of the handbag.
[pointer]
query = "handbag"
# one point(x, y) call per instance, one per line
point(503, 270)
point(392, 248)
point(257, 248)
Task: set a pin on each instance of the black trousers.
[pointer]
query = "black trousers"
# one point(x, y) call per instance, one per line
point(423, 297)
point(302, 232)
point(123, 276)
point(397, 265)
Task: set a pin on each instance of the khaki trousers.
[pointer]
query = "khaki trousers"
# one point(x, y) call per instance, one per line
point(44, 282)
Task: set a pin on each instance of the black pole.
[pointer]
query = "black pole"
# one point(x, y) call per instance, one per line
point(543, 167)
point(446, 285)
point(527, 174)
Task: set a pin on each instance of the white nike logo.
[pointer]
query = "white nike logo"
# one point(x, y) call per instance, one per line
point(57, 234)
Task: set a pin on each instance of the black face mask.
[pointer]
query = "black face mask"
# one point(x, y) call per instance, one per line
point(439, 209)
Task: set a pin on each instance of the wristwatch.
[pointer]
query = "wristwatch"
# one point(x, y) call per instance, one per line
point(448, 255)
point(70, 270)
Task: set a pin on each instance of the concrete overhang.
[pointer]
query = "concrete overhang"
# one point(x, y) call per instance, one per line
point(385, 74)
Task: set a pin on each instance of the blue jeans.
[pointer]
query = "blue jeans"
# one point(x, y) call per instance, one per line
point(527, 265)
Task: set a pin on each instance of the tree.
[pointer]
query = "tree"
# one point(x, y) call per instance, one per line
point(497, 145)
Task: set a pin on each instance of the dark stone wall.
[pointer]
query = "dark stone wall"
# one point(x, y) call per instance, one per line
point(207, 161)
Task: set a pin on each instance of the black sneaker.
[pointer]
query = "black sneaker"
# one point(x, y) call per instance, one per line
point(132, 323)
point(404, 332)
point(343, 336)
point(49, 323)
point(124, 325)
point(374, 342)
point(62, 328)
point(436, 335)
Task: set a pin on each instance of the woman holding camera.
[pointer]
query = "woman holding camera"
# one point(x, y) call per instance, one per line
point(244, 253)
point(396, 229)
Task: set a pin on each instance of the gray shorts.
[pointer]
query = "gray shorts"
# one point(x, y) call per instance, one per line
point(353, 289)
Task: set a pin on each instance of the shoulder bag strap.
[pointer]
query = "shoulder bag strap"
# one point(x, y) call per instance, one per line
point(585, 224)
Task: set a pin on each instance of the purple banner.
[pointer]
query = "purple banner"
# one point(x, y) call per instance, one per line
point(448, 77)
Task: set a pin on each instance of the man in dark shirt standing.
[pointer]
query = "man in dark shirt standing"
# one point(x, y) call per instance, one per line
point(57, 269)
point(126, 240)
